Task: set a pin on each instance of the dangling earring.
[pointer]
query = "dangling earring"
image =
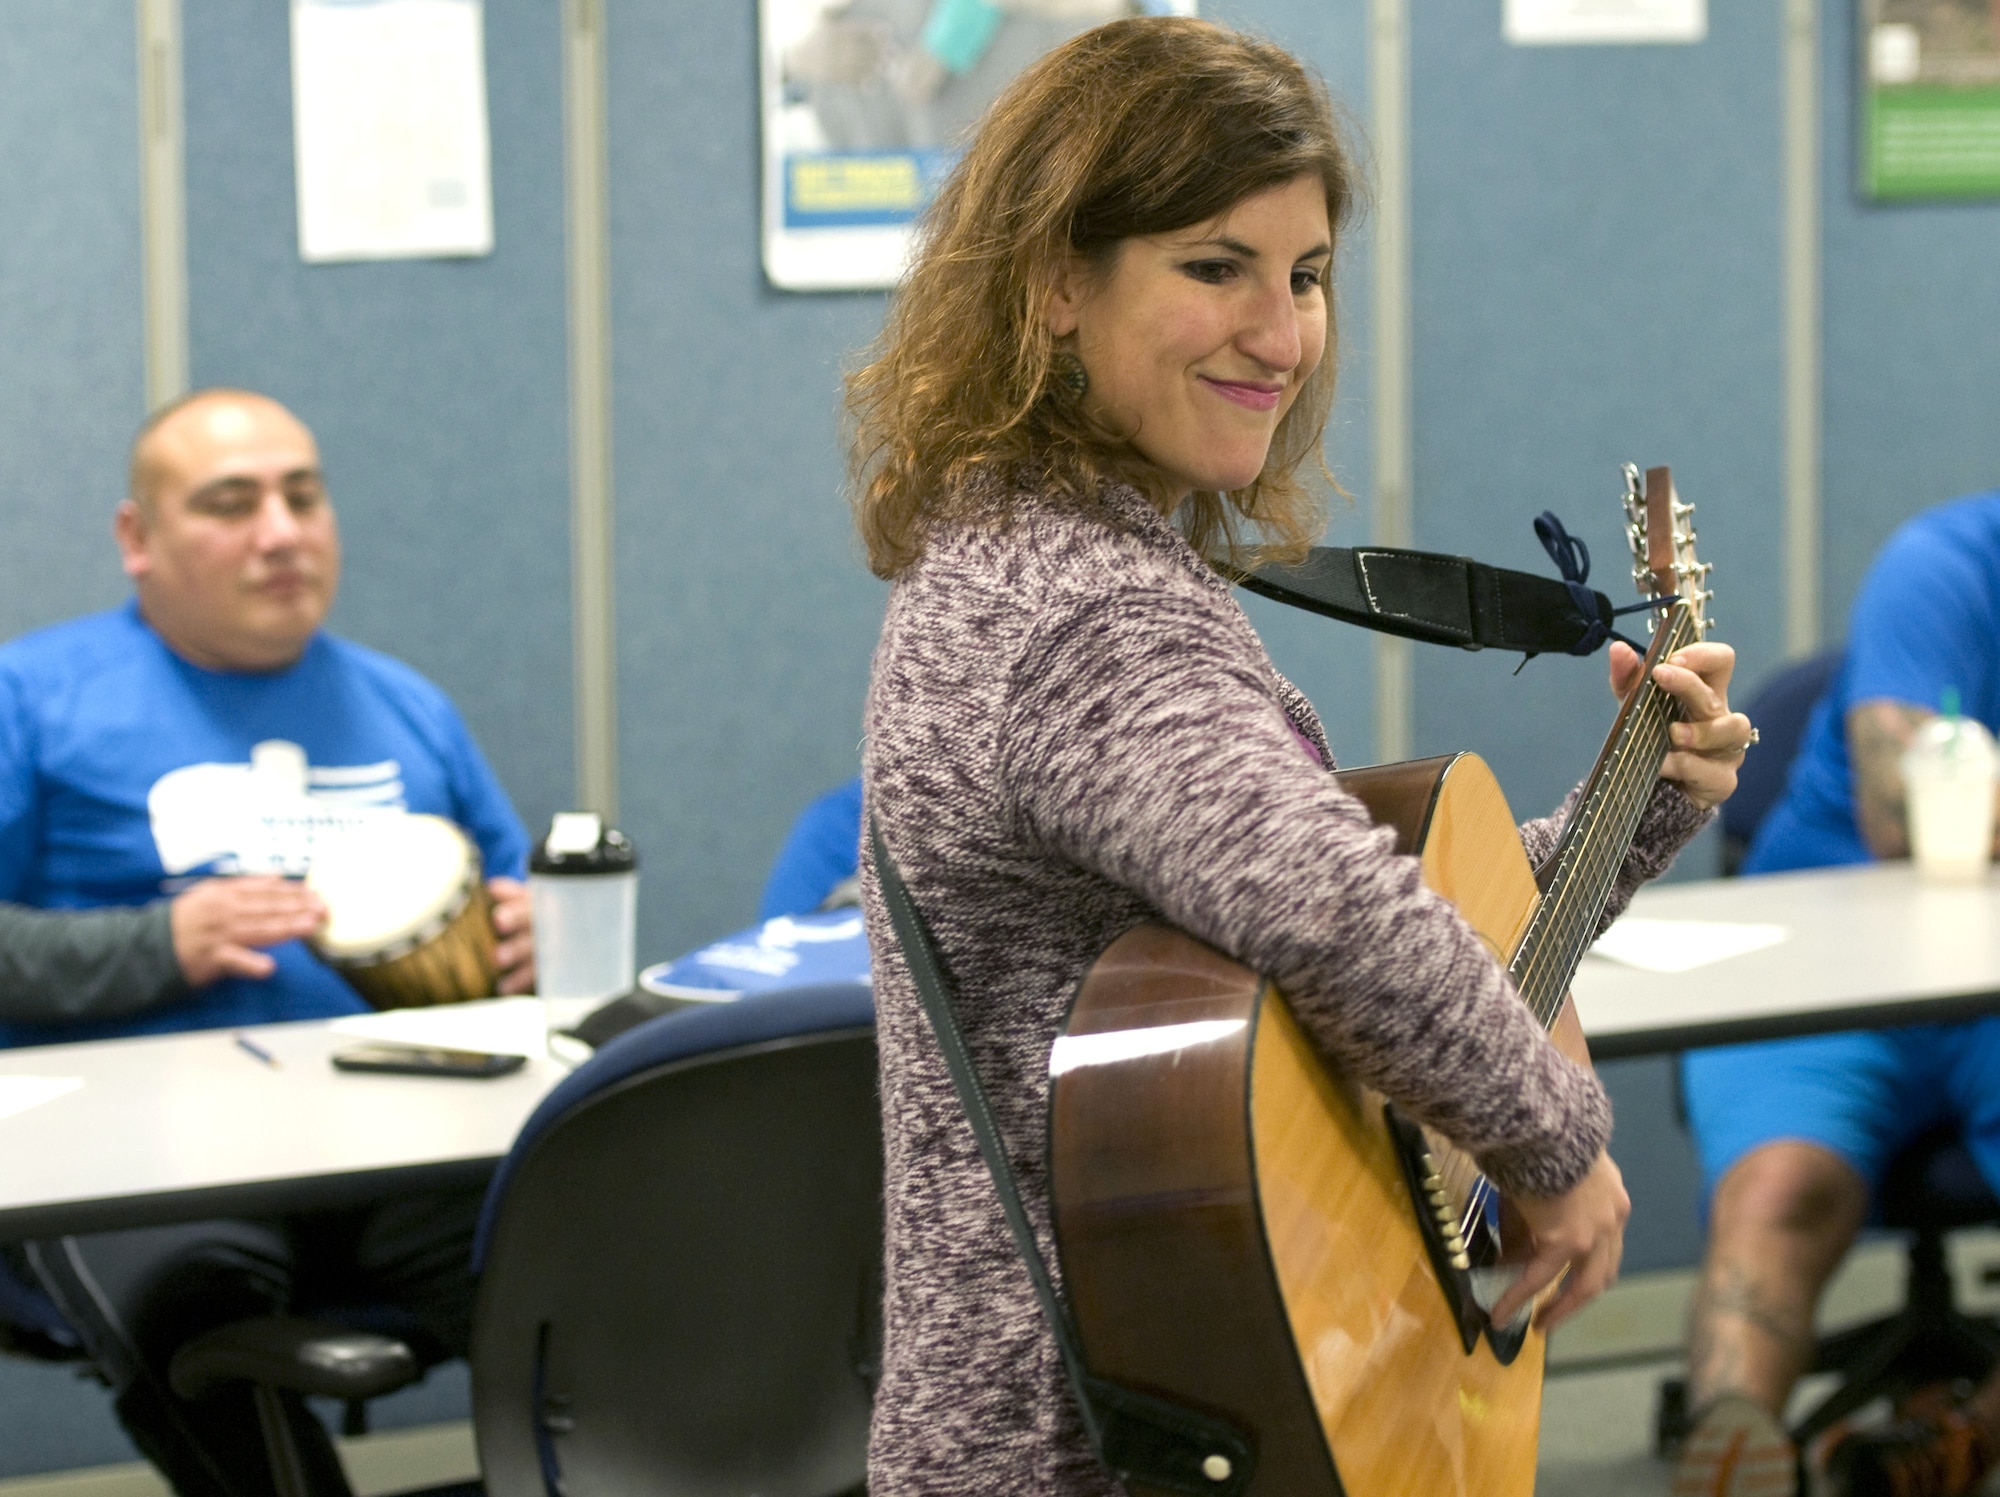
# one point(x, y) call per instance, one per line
point(1068, 372)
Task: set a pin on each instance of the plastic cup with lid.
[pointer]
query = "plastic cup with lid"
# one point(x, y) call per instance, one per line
point(1948, 774)
point(583, 885)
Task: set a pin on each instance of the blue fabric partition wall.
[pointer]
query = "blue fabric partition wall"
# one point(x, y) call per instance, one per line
point(72, 372)
point(438, 388)
point(1598, 280)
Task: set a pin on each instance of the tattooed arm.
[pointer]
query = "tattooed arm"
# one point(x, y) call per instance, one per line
point(1878, 732)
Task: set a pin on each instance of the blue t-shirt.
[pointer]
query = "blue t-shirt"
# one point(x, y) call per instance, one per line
point(126, 773)
point(1927, 618)
point(822, 848)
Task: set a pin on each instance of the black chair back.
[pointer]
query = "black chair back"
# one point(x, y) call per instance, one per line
point(681, 1285)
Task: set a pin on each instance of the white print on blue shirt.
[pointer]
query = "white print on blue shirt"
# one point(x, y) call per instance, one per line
point(266, 816)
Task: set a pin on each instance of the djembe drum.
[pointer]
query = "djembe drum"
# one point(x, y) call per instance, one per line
point(409, 921)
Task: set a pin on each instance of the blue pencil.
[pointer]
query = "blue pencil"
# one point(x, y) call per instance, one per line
point(251, 1048)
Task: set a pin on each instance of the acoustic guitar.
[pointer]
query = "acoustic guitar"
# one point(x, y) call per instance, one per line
point(1245, 1230)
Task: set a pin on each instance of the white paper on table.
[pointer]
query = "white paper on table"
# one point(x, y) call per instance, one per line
point(19, 1093)
point(1566, 22)
point(497, 1026)
point(389, 129)
point(1683, 945)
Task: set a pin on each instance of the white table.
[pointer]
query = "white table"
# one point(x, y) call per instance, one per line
point(1870, 946)
point(180, 1127)
point(186, 1126)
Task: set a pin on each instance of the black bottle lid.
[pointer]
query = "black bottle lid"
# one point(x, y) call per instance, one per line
point(580, 842)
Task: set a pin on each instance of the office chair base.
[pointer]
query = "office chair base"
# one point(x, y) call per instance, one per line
point(1894, 1358)
point(1929, 1340)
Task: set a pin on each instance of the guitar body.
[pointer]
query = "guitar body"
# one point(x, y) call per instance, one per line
point(1243, 1227)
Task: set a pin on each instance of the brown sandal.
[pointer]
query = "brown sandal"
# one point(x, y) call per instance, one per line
point(1736, 1448)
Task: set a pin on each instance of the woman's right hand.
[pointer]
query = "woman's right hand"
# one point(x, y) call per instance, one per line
point(1581, 1231)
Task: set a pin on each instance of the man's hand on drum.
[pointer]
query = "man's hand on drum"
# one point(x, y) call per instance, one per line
point(513, 929)
point(1709, 741)
point(220, 924)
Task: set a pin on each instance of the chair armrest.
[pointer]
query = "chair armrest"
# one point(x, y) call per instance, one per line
point(298, 1356)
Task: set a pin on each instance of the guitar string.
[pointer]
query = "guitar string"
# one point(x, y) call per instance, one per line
point(1593, 858)
point(1564, 935)
point(1622, 801)
point(1590, 869)
point(1589, 857)
point(1597, 855)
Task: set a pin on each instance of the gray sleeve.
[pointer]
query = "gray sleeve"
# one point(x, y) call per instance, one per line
point(59, 965)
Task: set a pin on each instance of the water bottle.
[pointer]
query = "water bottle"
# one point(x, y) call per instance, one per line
point(1948, 773)
point(583, 883)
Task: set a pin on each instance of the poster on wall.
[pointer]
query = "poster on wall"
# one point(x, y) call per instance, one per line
point(1930, 98)
point(389, 129)
point(1557, 23)
point(864, 103)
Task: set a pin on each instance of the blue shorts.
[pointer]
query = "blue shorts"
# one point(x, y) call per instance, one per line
point(1861, 1094)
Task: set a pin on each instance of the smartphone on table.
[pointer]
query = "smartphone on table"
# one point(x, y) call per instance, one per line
point(426, 1060)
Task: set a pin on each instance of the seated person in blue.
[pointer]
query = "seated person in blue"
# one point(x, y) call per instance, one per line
point(1794, 1135)
point(816, 867)
point(129, 821)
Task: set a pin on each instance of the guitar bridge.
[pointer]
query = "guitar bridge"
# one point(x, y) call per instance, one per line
point(1464, 1249)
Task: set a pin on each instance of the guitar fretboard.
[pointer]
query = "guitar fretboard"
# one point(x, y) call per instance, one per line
point(1599, 832)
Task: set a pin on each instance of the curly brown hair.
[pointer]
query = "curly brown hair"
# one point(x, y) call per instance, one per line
point(1136, 127)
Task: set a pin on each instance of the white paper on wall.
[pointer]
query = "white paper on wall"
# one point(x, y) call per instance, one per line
point(1561, 22)
point(389, 129)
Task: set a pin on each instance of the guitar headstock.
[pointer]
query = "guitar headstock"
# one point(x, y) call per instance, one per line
point(1661, 531)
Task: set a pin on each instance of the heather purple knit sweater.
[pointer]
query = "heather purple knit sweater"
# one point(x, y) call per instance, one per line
point(1072, 729)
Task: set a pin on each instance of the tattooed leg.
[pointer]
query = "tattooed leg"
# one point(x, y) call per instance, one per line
point(1782, 1219)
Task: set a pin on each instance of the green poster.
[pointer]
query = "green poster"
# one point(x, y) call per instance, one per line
point(1930, 98)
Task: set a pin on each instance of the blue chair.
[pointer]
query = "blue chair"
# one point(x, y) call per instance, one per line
point(680, 1268)
point(1781, 708)
point(680, 1262)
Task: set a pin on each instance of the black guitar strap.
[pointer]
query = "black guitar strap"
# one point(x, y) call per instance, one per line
point(1453, 600)
point(1139, 1437)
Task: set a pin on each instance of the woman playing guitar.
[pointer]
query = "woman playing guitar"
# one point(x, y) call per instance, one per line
point(1110, 357)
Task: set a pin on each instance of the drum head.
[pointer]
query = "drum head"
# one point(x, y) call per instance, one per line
point(391, 883)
